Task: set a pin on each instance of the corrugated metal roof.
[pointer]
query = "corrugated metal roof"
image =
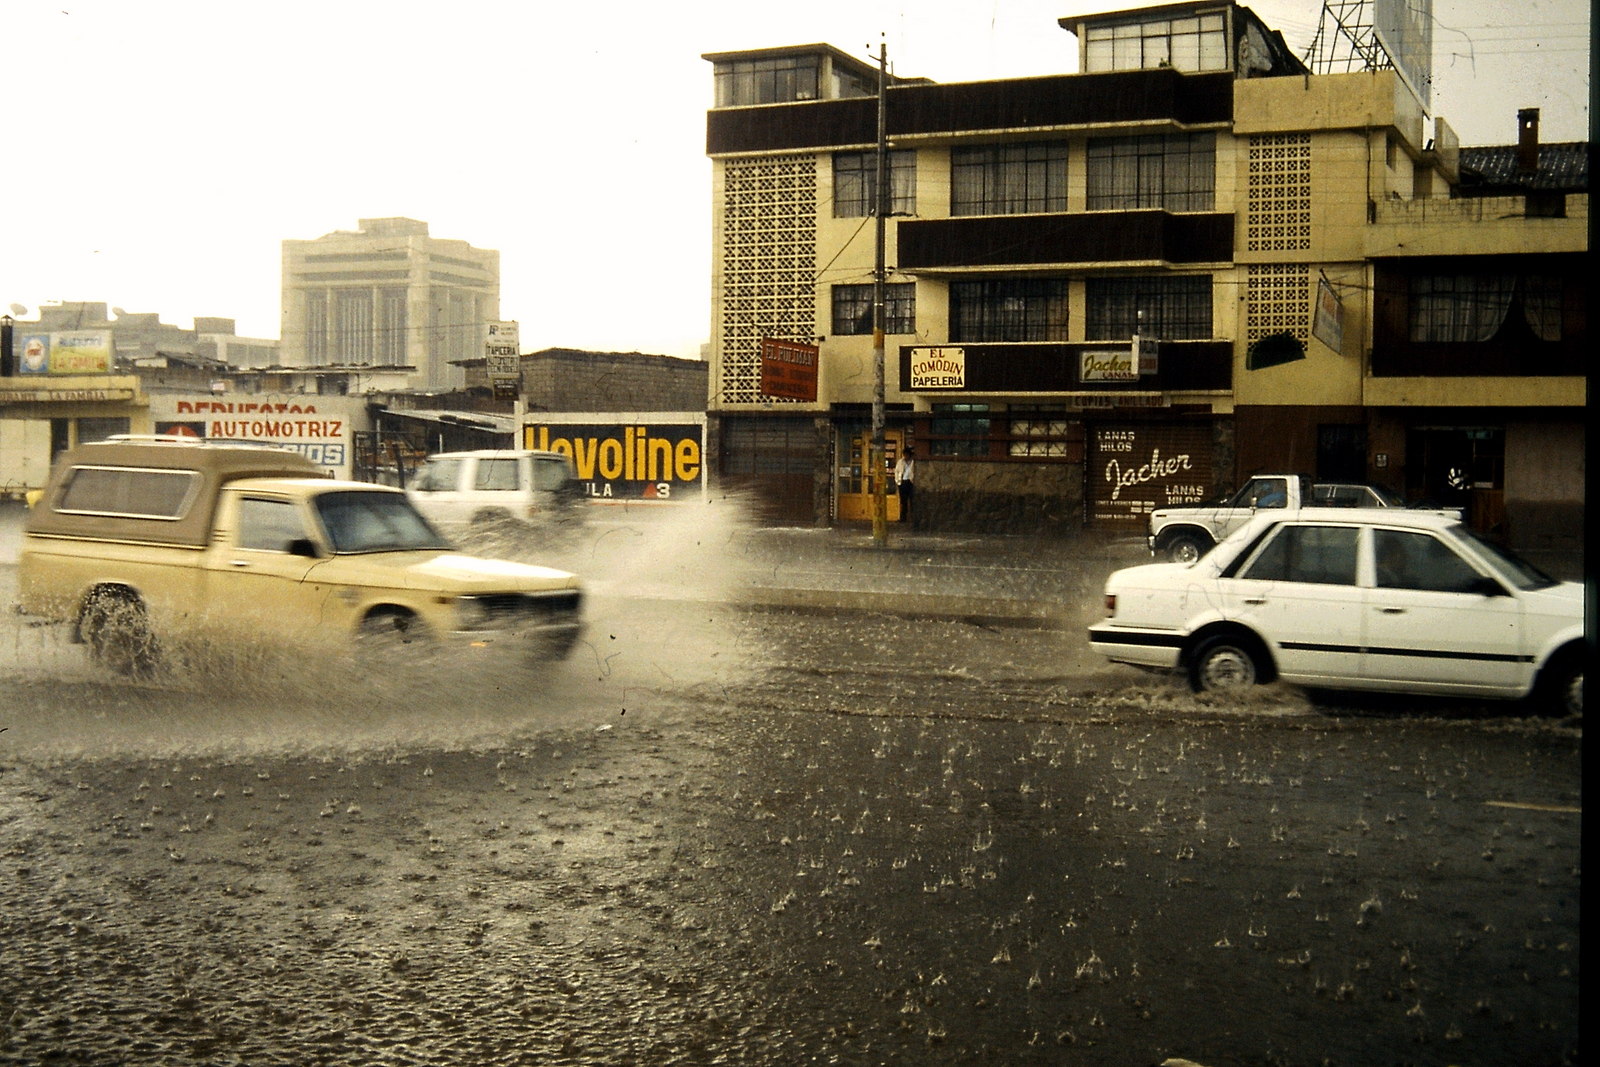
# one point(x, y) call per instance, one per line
point(1563, 167)
point(474, 420)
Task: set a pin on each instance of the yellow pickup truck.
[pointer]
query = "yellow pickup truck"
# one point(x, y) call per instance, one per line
point(144, 545)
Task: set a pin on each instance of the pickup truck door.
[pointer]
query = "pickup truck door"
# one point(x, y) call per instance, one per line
point(256, 582)
point(1239, 508)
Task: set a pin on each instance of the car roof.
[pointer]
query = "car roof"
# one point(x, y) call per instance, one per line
point(1404, 517)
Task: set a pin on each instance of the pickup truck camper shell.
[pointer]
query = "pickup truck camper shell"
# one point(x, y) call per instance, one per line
point(175, 501)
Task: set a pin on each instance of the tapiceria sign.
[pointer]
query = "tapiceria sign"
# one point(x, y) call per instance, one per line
point(648, 456)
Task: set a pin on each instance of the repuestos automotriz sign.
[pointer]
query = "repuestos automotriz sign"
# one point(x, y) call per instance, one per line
point(628, 460)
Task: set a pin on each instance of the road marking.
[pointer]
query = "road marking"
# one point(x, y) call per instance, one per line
point(1533, 807)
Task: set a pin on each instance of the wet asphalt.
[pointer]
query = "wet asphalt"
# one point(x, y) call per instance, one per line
point(854, 803)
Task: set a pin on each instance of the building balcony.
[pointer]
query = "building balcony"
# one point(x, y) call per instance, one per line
point(1507, 356)
point(1090, 239)
point(933, 113)
point(1105, 368)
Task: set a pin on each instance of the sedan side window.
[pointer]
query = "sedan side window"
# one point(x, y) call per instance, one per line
point(1407, 560)
point(1320, 555)
point(269, 525)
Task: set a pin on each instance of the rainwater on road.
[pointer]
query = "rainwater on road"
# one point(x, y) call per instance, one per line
point(732, 828)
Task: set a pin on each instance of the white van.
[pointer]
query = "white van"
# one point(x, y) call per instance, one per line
point(458, 491)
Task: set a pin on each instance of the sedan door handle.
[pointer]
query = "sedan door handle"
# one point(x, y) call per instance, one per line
point(1255, 600)
point(1393, 611)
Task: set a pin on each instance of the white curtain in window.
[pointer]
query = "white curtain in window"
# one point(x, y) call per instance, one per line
point(1541, 306)
point(1459, 307)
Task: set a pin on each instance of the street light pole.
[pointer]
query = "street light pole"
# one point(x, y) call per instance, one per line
point(877, 454)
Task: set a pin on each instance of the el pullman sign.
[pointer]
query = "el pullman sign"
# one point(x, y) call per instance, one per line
point(788, 370)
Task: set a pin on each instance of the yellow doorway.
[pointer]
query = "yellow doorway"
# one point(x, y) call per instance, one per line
point(853, 484)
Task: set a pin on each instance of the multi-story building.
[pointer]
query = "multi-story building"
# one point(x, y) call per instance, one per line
point(388, 295)
point(1194, 185)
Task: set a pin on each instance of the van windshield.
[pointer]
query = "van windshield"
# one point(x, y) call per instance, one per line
point(551, 472)
point(358, 521)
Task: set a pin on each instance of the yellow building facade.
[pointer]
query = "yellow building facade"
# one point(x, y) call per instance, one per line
point(1280, 236)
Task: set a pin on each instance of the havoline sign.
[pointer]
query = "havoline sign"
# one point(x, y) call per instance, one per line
point(656, 456)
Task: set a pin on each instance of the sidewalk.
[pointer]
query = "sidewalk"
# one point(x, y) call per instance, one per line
point(996, 579)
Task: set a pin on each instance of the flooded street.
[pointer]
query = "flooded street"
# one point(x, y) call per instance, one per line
point(728, 834)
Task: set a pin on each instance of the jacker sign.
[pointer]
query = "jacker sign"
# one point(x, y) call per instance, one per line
point(652, 456)
point(1136, 468)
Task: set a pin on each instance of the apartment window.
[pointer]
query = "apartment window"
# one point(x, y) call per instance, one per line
point(1190, 44)
point(317, 342)
point(778, 80)
point(1008, 309)
point(391, 327)
point(1013, 179)
point(848, 83)
point(1038, 431)
point(852, 309)
point(1177, 172)
point(1473, 307)
point(959, 430)
point(855, 183)
point(1175, 308)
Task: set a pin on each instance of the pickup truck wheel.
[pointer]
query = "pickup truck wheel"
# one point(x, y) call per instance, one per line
point(1186, 548)
point(117, 630)
point(389, 636)
point(1225, 663)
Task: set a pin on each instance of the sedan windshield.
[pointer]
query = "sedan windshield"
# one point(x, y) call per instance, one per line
point(359, 521)
point(1515, 569)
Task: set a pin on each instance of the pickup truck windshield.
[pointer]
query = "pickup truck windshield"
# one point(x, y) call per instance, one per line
point(375, 522)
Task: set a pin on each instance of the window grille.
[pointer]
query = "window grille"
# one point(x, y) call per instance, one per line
point(1011, 179)
point(1008, 309)
point(852, 309)
point(1176, 172)
point(1176, 308)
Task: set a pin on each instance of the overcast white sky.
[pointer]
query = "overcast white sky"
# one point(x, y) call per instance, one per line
point(161, 150)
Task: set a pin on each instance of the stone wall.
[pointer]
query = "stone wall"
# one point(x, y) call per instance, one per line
point(568, 380)
point(987, 497)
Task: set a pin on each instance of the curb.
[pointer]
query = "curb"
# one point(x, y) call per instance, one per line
point(1028, 614)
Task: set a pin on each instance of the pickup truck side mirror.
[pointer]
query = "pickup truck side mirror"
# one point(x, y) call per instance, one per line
point(304, 546)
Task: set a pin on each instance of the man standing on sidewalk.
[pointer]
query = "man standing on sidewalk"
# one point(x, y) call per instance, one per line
point(904, 472)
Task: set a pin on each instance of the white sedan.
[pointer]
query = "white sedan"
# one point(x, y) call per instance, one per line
point(1370, 599)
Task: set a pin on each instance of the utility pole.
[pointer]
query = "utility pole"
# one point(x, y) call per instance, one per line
point(877, 454)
